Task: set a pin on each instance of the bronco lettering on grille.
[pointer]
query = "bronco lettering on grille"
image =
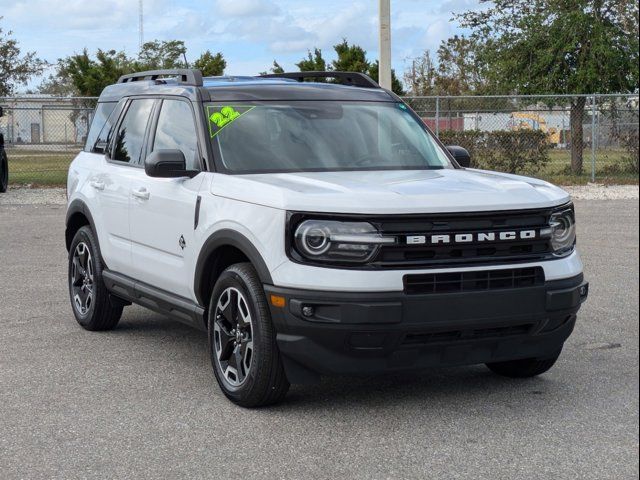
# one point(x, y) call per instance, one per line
point(480, 237)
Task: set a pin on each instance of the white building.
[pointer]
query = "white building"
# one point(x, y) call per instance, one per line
point(36, 119)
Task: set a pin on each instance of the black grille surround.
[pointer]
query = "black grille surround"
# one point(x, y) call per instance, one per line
point(403, 255)
point(464, 254)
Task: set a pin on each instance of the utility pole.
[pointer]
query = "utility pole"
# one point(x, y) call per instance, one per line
point(141, 24)
point(385, 44)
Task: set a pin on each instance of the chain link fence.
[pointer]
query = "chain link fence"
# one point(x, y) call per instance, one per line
point(565, 139)
point(42, 135)
point(531, 135)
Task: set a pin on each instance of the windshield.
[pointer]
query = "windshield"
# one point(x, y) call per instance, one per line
point(321, 136)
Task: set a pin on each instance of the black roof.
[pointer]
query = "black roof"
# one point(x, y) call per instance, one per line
point(190, 84)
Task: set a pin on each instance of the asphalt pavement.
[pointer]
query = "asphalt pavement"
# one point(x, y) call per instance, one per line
point(141, 401)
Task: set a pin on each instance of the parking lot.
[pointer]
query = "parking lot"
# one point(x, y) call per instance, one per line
point(141, 401)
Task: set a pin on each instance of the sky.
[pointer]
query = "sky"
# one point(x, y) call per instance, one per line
point(250, 33)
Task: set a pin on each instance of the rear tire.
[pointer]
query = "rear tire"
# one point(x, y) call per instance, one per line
point(92, 305)
point(526, 368)
point(242, 341)
point(4, 171)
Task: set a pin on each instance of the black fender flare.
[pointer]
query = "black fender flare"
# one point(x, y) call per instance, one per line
point(231, 238)
point(78, 206)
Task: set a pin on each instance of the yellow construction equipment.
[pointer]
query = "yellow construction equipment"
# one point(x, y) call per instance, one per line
point(533, 121)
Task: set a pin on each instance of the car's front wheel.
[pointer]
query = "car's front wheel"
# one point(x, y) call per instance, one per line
point(92, 306)
point(242, 341)
point(525, 368)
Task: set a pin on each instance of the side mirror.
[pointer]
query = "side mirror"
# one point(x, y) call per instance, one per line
point(167, 164)
point(461, 155)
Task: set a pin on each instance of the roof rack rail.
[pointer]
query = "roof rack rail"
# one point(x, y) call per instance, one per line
point(354, 79)
point(185, 76)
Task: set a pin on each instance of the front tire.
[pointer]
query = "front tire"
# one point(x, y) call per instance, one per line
point(242, 341)
point(526, 368)
point(92, 306)
point(4, 171)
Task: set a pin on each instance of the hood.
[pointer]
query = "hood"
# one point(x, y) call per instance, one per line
point(393, 192)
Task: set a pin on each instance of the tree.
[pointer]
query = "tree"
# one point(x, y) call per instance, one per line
point(160, 55)
point(559, 47)
point(16, 68)
point(277, 68)
point(351, 58)
point(421, 76)
point(86, 75)
point(57, 86)
point(313, 63)
point(90, 76)
point(211, 65)
point(460, 70)
point(396, 84)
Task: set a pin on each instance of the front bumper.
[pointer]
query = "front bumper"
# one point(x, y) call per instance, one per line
point(305, 277)
point(370, 333)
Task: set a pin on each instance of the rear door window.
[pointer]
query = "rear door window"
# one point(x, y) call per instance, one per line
point(129, 138)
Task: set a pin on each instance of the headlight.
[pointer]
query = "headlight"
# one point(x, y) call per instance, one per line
point(563, 231)
point(331, 241)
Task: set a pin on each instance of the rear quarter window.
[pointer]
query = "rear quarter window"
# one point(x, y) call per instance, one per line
point(100, 125)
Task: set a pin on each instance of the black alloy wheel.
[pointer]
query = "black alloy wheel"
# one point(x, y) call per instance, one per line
point(233, 336)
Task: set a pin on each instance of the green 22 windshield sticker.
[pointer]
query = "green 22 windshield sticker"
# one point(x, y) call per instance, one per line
point(220, 116)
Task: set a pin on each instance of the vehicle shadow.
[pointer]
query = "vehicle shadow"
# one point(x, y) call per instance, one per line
point(443, 386)
point(446, 386)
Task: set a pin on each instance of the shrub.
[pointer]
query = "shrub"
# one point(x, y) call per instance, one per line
point(520, 152)
point(472, 140)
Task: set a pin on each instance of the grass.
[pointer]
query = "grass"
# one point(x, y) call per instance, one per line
point(38, 168)
point(611, 168)
point(46, 168)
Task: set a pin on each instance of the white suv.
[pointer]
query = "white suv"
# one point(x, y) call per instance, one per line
point(313, 228)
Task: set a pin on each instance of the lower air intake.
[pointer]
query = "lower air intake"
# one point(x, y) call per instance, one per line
point(432, 283)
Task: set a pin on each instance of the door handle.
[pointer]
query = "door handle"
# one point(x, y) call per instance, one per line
point(97, 185)
point(141, 193)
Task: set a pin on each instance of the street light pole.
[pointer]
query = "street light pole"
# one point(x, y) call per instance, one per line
point(140, 24)
point(385, 44)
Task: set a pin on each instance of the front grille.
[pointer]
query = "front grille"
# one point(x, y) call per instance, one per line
point(454, 282)
point(403, 254)
point(414, 339)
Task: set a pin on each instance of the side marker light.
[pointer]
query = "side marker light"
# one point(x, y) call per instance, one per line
point(278, 301)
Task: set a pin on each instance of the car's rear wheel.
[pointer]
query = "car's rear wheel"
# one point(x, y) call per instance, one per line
point(242, 341)
point(525, 368)
point(4, 171)
point(92, 306)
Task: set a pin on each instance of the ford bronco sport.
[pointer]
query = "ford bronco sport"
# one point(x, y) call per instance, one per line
point(313, 228)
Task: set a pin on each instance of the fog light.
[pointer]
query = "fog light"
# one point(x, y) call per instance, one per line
point(584, 290)
point(308, 311)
